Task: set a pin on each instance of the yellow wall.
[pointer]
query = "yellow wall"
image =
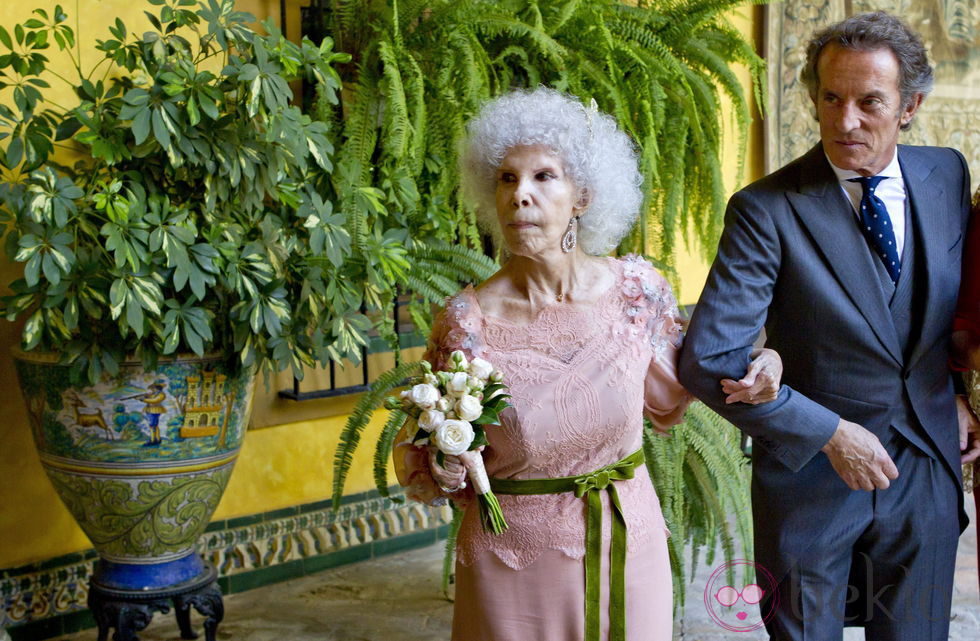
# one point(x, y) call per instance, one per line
point(692, 267)
point(280, 466)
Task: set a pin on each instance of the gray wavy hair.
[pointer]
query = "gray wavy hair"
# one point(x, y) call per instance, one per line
point(868, 32)
point(598, 158)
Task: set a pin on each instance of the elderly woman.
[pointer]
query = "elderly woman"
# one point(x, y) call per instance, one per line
point(587, 345)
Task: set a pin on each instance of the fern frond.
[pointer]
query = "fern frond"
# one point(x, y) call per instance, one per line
point(382, 453)
point(350, 436)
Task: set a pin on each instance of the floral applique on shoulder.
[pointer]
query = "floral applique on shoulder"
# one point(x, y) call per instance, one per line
point(650, 303)
point(457, 326)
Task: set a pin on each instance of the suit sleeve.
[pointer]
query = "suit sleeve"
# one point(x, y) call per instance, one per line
point(727, 320)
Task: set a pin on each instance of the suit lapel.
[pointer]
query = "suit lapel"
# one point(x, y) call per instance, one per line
point(821, 206)
point(925, 196)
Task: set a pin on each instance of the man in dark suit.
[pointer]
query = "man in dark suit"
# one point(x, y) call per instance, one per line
point(850, 258)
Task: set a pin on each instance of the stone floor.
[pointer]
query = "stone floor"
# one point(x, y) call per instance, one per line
point(397, 598)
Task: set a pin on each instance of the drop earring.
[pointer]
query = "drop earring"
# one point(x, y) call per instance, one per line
point(570, 238)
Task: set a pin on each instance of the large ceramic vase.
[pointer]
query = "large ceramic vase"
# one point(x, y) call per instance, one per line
point(140, 459)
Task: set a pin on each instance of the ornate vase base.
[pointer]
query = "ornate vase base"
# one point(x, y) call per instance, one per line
point(129, 611)
point(141, 577)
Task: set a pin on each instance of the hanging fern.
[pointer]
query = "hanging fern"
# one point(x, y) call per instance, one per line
point(421, 69)
point(350, 437)
point(701, 478)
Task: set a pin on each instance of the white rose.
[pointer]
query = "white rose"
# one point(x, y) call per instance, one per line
point(459, 358)
point(480, 368)
point(424, 396)
point(431, 419)
point(459, 384)
point(453, 437)
point(444, 405)
point(475, 383)
point(468, 408)
point(431, 379)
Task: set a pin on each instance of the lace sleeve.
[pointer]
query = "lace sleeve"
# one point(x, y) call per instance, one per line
point(455, 327)
point(653, 311)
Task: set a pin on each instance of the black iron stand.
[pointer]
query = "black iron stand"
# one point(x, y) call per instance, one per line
point(129, 611)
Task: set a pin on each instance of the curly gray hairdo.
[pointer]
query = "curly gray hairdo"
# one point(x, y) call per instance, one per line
point(868, 32)
point(596, 155)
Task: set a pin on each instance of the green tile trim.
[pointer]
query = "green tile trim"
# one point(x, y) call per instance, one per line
point(265, 576)
point(243, 521)
point(77, 621)
point(402, 543)
point(216, 525)
point(281, 513)
point(322, 562)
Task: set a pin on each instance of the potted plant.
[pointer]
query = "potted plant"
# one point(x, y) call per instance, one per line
point(172, 251)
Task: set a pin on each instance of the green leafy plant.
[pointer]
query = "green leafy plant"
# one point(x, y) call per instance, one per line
point(422, 68)
point(187, 220)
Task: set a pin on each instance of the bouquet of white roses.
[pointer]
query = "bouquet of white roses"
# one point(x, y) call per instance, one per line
point(451, 410)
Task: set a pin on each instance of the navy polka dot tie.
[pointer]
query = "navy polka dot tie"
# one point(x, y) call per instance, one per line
point(877, 226)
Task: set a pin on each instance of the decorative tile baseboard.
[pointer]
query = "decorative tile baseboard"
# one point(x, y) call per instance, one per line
point(48, 599)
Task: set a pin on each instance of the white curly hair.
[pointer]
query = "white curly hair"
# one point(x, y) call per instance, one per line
point(596, 155)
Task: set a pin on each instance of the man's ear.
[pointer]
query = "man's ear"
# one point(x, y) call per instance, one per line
point(584, 198)
point(909, 111)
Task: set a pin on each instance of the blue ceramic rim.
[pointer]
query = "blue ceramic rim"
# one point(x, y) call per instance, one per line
point(147, 576)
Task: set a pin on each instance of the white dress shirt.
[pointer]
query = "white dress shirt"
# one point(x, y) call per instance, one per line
point(891, 191)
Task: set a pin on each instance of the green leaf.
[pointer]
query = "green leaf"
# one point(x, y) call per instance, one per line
point(160, 130)
point(32, 271)
point(67, 128)
point(141, 126)
point(31, 336)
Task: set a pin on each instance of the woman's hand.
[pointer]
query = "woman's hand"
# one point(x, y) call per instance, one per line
point(451, 475)
point(761, 381)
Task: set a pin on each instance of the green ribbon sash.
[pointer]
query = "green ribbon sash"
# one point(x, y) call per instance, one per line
point(590, 486)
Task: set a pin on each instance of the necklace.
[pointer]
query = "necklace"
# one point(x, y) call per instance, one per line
point(560, 296)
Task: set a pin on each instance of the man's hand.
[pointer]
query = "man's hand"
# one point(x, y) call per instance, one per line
point(969, 431)
point(859, 458)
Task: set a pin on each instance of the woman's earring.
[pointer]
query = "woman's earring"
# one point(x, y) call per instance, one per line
point(570, 238)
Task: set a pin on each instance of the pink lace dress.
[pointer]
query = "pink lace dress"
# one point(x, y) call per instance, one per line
point(582, 379)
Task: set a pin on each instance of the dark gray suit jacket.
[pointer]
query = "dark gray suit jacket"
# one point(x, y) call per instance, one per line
point(792, 259)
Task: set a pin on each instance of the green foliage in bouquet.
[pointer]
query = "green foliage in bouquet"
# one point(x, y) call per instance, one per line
point(701, 477)
point(187, 220)
point(422, 68)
